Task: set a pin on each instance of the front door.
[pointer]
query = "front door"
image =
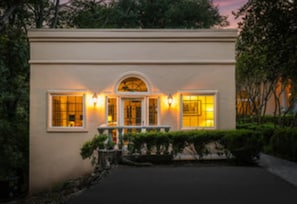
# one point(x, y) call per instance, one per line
point(132, 111)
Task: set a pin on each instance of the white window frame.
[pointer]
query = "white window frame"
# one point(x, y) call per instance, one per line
point(52, 93)
point(197, 93)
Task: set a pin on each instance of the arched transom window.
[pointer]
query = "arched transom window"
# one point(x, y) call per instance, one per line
point(132, 84)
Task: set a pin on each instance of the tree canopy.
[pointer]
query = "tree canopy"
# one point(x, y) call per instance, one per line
point(267, 52)
point(144, 14)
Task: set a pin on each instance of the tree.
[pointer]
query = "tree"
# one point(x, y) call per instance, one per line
point(144, 14)
point(266, 52)
point(16, 17)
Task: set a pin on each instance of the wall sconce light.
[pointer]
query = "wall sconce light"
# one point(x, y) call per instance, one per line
point(170, 100)
point(94, 99)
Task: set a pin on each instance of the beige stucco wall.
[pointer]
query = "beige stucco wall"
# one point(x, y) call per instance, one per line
point(171, 61)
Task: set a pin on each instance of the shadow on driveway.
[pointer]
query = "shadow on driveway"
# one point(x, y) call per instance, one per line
point(189, 184)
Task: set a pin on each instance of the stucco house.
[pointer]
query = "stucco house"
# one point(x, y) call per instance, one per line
point(84, 79)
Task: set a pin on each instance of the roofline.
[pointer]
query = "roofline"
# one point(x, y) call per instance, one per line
point(132, 35)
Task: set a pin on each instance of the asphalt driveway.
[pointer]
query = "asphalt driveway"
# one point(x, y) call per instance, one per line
point(189, 184)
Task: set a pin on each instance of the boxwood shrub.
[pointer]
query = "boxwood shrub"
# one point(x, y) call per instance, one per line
point(266, 130)
point(244, 145)
point(284, 143)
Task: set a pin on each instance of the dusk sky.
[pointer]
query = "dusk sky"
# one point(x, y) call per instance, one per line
point(227, 6)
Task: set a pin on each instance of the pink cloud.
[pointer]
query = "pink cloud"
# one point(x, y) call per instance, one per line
point(224, 3)
point(227, 6)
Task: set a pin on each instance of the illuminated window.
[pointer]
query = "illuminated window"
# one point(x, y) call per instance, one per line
point(198, 111)
point(132, 84)
point(153, 111)
point(66, 110)
point(112, 111)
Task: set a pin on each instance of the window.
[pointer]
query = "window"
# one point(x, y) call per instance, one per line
point(66, 110)
point(132, 84)
point(198, 111)
point(153, 111)
point(112, 111)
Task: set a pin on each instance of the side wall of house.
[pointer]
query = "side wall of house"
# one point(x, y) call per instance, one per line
point(93, 61)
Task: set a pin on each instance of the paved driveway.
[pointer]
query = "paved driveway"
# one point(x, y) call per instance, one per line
point(189, 184)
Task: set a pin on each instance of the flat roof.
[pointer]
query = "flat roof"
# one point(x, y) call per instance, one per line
point(132, 34)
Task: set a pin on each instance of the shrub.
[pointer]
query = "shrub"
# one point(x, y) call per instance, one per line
point(149, 141)
point(266, 130)
point(201, 138)
point(136, 142)
point(179, 140)
point(162, 143)
point(284, 143)
point(244, 145)
point(95, 144)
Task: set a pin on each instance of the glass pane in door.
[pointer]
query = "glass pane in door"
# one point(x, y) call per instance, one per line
point(112, 112)
point(153, 111)
point(132, 112)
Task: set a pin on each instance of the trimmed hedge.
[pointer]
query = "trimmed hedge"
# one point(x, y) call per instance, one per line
point(283, 121)
point(244, 145)
point(283, 143)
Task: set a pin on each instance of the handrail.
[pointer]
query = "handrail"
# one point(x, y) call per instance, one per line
point(140, 128)
point(120, 129)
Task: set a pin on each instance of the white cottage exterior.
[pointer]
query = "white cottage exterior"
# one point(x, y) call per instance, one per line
point(85, 79)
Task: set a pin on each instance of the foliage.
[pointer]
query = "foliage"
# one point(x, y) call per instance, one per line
point(244, 145)
point(16, 17)
point(14, 104)
point(98, 142)
point(266, 129)
point(266, 55)
point(269, 120)
point(179, 141)
point(13, 155)
point(283, 143)
point(144, 14)
point(201, 139)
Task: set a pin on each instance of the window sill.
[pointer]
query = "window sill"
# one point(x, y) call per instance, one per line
point(198, 128)
point(67, 129)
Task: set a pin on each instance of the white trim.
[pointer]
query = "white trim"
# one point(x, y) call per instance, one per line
point(51, 93)
point(135, 62)
point(143, 109)
point(132, 35)
point(202, 91)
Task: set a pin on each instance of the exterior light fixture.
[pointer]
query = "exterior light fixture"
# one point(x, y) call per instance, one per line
point(94, 99)
point(170, 100)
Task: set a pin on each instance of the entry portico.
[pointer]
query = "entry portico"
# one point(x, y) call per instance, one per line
point(82, 80)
